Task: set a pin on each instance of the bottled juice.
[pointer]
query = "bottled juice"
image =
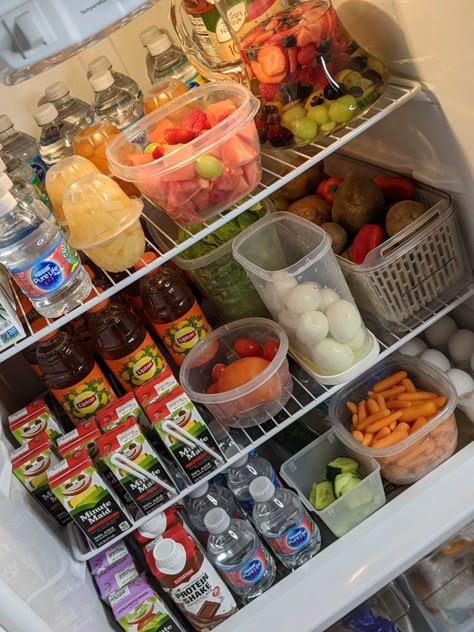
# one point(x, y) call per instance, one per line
point(30, 352)
point(121, 339)
point(72, 375)
point(171, 308)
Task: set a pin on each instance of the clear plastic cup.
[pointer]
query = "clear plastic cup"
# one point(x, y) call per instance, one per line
point(291, 264)
point(104, 222)
point(193, 180)
point(162, 93)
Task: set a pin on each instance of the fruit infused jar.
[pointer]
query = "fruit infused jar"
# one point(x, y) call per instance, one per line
point(310, 75)
point(291, 264)
point(104, 222)
point(196, 155)
point(162, 93)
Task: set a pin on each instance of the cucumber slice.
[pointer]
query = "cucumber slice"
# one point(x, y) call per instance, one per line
point(345, 482)
point(322, 495)
point(339, 466)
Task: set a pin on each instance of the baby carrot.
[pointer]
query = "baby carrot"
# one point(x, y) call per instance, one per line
point(355, 420)
point(373, 406)
point(396, 404)
point(418, 424)
point(393, 425)
point(380, 401)
point(371, 418)
point(362, 411)
point(404, 426)
point(416, 397)
point(392, 392)
point(422, 410)
point(383, 432)
point(439, 402)
point(352, 407)
point(394, 437)
point(388, 382)
point(408, 384)
point(367, 438)
point(381, 423)
point(358, 436)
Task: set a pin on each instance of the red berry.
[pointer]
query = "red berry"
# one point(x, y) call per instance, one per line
point(217, 370)
point(313, 76)
point(178, 135)
point(307, 54)
point(212, 389)
point(270, 349)
point(246, 348)
point(279, 136)
point(268, 91)
point(197, 121)
point(157, 153)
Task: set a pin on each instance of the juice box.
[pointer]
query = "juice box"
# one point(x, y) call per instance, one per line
point(116, 576)
point(11, 329)
point(30, 464)
point(103, 560)
point(84, 436)
point(34, 419)
point(128, 440)
point(84, 494)
point(117, 411)
point(155, 389)
point(178, 408)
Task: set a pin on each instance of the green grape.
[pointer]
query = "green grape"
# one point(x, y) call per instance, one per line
point(304, 128)
point(288, 117)
point(327, 127)
point(208, 167)
point(319, 114)
point(343, 109)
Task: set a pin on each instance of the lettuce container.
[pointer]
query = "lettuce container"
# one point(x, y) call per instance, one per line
point(193, 180)
point(421, 452)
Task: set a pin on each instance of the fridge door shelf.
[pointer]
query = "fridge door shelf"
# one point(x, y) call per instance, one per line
point(278, 170)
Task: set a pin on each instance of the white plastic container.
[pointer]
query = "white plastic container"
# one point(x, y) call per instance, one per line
point(309, 466)
point(291, 264)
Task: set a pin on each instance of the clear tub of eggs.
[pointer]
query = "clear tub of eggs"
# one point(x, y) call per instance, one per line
point(291, 264)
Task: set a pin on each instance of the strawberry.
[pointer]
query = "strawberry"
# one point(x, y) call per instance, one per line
point(176, 135)
point(273, 61)
point(307, 54)
point(157, 153)
point(268, 91)
point(279, 136)
point(314, 76)
point(197, 121)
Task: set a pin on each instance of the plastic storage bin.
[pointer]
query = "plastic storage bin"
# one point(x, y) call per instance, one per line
point(411, 459)
point(257, 400)
point(290, 262)
point(177, 182)
point(309, 466)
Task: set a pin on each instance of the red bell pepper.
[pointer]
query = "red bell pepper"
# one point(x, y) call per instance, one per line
point(369, 237)
point(395, 189)
point(327, 188)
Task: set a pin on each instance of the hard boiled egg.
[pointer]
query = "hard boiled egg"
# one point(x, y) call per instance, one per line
point(414, 347)
point(440, 332)
point(328, 296)
point(283, 282)
point(312, 327)
point(463, 382)
point(332, 357)
point(344, 320)
point(305, 297)
point(288, 321)
point(435, 357)
point(272, 300)
point(359, 340)
point(461, 347)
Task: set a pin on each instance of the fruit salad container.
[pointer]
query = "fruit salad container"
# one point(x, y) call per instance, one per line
point(253, 389)
point(195, 156)
point(422, 451)
point(310, 75)
point(309, 466)
point(291, 264)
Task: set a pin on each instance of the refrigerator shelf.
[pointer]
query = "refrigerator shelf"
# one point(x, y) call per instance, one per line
point(307, 394)
point(277, 171)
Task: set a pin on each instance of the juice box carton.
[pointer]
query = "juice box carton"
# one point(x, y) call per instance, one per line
point(116, 576)
point(103, 560)
point(11, 329)
point(30, 464)
point(84, 494)
point(155, 389)
point(84, 436)
point(117, 411)
point(179, 409)
point(34, 419)
point(128, 440)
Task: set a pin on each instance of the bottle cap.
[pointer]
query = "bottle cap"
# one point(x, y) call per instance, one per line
point(39, 324)
point(199, 491)
point(101, 80)
point(5, 183)
point(216, 520)
point(148, 34)
point(241, 461)
point(147, 258)
point(154, 527)
point(261, 489)
point(3, 166)
point(23, 305)
point(90, 271)
point(100, 306)
point(56, 90)
point(7, 203)
point(170, 556)
point(159, 44)
point(5, 123)
point(45, 114)
point(99, 64)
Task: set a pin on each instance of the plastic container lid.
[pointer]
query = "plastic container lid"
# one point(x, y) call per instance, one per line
point(5, 123)
point(199, 491)
point(149, 34)
point(7, 203)
point(99, 64)
point(47, 113)
point(170, 556)
point(101, 80)
point(261, 489)
point(56, 90)
point(153, 527)
point(216, 520)
point(159, 44)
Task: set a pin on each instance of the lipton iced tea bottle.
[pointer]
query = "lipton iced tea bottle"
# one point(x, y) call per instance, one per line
point(121, 339)
point(30, 352)
point(171, 308)
point(72, 376)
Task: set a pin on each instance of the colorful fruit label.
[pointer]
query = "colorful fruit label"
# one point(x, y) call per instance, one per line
point(40, 169)
point(30, 422)
point(145, 363)
point(82, 400)
point(295, 538)
point(181, 335)
point(50, 272)
point(249, 572)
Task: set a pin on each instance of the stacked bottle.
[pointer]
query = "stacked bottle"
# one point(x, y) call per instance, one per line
point(70, 109)
point(102, 64)
point(113, 104)
point(56, 135)
point(166, 61)
point(21, 146)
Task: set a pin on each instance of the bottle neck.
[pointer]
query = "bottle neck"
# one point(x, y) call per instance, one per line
point(8, 134)
point(64, 101)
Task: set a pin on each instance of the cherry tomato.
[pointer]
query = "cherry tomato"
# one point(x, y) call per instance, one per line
point(217, 370)
point(247, 348)
point(212, 389)
point(270, 349)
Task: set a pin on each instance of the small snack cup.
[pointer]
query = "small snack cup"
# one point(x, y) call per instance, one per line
point(104, 222)
point(162, 93)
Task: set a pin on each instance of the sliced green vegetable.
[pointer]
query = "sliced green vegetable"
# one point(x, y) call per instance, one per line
point(345, 482)
point(321, 495)
point(341, 465)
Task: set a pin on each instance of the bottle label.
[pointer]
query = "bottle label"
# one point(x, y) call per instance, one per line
point(250, 572)
point(295, 538)
point(50, 272)
point(145, 363)
point(40, 169)
point(248, 503)
point(82, 400)
point(181, 335)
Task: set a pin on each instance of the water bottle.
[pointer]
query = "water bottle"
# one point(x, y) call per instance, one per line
point(21, 146)
point(40, 261)
point(56, 135)
point(166, 61)
point(74, 111)
point(243, 472)
point(238, 554)
point(148, 34)
point(203, 499)
point(114, 104)
point(25, 194)
point(102, 63)
point(281, 519)
point(19, 177)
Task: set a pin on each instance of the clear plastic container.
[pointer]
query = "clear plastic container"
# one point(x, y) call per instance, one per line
point(290, 262)
point(421, 452)
point(257, 400)
point(309, 466)
point(162, 93)
point(172, 182)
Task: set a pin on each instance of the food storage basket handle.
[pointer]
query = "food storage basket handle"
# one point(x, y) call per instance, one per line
point(185, 437)
point(121, 461)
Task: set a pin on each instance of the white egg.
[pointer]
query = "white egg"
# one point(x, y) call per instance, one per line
point(461, 347)
point(312, 328)
point(472, 362)
point(328, 296)
point(287, 320)
point(463, 382)
point(272, 300)
point(437, 358)
point(413, 347)
point(440, 332)
point(332, 357)
point(305, 297)
point(344, 320)
point(283, 282)
point(359, 340)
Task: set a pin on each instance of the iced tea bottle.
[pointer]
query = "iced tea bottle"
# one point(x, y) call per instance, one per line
point(30, 352)
point(72, 375)
point(121, 339)
point(172, 309)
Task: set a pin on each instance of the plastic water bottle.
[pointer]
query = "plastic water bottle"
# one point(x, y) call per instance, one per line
point(166, 61)
point(114, 104)
point(102, 63)
point(21, 146)
point(39, 259)
point(70, 109)
point(238, 554)
point(22, 173)
point(19, 178)
point(148, 34)
point(243, 472)
point(26, 195)
point(56, 135)
point(203, 499)
point(281, 519)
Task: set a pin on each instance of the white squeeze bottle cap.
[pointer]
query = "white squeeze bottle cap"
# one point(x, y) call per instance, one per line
point(159, 45)
point(99, 64)
point(47, 113)
point(199, 491)
point(56, 90)
point(154, 527)
point(101, 81)
point(149, 34)
point(261, 489)
point(216, 520)
point(170, 556)
point(7, 203)
point(5, 122)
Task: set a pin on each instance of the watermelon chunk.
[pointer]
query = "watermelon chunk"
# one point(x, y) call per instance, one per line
point(252, 174)
point(304, 37)
point(217, 112)
point(157, 134)
point(229, 179)
point(136, 160)
point(236, 152)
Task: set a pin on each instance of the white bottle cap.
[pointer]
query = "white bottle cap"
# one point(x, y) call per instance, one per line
point(99, 64)
point(170, 556)
point(7, 203)
point(241, 461)
point(159, 44)
point(56, 90)
point(154, 527)
point(5, 122)
point(148, 34)
point(3, 166)
point(101, 81)
point(199, 491)
point(5, 183)
point(216, 520)
point(261, 489)
point(45, 114)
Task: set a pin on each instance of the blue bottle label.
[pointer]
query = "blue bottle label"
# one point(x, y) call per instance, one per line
point(295, 538)
point(40, 169)
point(250, 572)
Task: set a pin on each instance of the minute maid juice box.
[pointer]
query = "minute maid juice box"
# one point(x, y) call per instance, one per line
point(118, 411)
point(84, 494)
point(84, 436)
point(30, 464)
point(30, 422)
point(128, 440)
point(156, 388)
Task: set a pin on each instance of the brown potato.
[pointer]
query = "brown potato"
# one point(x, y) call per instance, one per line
point(280, 201)
point(339, 236)
point(313, 208)
point(358, 201)
point(303, 184)
point(347, 254)
point(402, 214)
